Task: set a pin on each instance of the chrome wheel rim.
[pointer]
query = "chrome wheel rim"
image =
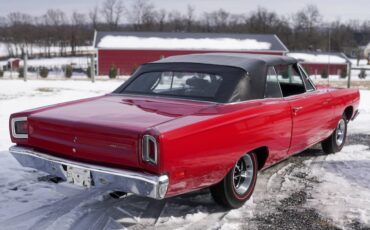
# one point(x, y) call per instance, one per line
point(340, 132)
point(243, 174)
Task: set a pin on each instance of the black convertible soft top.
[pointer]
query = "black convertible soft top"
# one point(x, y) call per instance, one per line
point(254, 65)
point(248, 62)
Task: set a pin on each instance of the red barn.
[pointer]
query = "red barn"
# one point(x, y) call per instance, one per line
point(128, 50)
point(316, 63)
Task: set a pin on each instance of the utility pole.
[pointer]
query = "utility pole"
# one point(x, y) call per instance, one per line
point(329, 50)
point(11, 68)
point(92, 68)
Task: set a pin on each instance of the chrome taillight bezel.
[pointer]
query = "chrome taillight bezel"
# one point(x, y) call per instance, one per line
point(14, 133)
point(145, 149)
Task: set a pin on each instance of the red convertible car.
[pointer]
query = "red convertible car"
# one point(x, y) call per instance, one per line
point(185, 123)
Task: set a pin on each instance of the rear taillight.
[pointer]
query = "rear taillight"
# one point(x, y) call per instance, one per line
point(19, 126)
point(150, 149)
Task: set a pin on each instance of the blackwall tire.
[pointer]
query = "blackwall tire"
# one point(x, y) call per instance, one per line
point(335, 142)
point(238, 185)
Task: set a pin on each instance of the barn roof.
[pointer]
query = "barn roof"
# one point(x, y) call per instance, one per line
point(188, 41)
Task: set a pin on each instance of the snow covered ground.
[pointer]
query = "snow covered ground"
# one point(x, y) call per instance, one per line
point(17, 95)
point(318, 58)
point(82, 62)
point(307, 191)
point(55, 66)
point(361, 63)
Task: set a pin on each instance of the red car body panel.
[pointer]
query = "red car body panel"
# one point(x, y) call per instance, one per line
point(312, 109)
point(198, 141)
point(103, 130)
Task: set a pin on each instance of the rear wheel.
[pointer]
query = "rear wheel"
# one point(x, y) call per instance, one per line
point(238, 185)
point(337, 139)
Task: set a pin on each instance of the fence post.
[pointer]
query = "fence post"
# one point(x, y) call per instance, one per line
point(349, 70)
point(92, 68)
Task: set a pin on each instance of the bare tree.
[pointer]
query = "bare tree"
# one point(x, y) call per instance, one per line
point(262, 21)
point(306, 24)
point(237, 23)
point(308, 18)
point(190, 17)
point(175, 21)
point(112, 11)
point(142, 14)
point(94, 17)
point(2, 22)
point(341, 36)
point(78, 19)
point(55, 17)
point(78, 22)
point(21, 32)
point(161, 19)
point(304, 30)
point(55, 21)
point(217, 20)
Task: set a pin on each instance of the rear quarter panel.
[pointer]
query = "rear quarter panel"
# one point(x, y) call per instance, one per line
point(342, 99)
point(201, 154)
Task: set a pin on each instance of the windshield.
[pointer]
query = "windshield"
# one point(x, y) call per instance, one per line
point(190, 85)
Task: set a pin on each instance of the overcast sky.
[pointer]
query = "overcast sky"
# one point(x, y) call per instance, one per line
point(330, 9)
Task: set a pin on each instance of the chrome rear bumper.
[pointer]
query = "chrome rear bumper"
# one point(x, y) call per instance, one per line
point(142, 184)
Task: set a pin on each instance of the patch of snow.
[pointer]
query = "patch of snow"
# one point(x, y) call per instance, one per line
point(4, 49)
point(361, 124)
point(231, 226)
point(354, 77)
point(3, 63)
point(17, 95)
point(155, 43)
point(362, 62)
point(343, 193)
point(318, 58)
point(58, 61)
point(22, 189)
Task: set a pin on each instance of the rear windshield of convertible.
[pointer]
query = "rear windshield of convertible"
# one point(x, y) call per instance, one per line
point(181, 84)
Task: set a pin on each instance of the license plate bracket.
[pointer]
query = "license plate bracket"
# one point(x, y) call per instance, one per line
point(79, 176)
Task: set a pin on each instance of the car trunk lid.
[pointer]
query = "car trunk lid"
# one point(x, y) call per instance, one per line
point(106, 130)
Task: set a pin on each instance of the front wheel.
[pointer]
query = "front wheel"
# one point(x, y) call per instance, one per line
point(238, 185)
point(337, 139)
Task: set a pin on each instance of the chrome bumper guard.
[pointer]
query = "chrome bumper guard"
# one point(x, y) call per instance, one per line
point(141, 184)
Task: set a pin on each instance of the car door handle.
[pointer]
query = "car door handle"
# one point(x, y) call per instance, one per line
point(327, 101)
point(296, 109)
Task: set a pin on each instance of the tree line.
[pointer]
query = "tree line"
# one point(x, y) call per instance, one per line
point(60, 33)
